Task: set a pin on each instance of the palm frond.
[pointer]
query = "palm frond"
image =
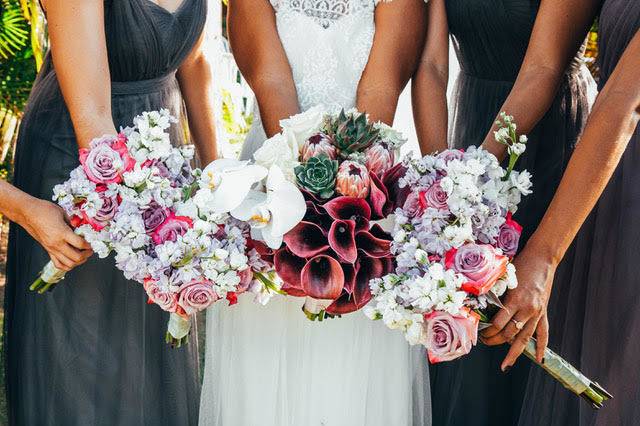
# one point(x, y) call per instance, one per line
point(14, 29)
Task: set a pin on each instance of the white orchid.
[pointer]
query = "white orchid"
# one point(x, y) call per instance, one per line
point(274, 213)
point(225, 183)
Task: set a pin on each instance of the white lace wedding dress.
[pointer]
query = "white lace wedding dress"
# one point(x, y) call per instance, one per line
point(271, 366)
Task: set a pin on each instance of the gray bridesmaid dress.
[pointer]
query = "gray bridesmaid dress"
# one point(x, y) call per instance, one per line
point(594, 311)
point(490, 38)
point(92, 352)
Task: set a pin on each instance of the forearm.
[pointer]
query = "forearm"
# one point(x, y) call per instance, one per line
point(78, 48)
point(398, 41)
point(590, 168)
point(277, 99)
point(196, 85)
point(529, 100)
point(258, 51)
point(13, 202)
point(430, 111)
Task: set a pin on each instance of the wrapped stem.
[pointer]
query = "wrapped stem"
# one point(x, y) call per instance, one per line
point(569, 376)
point(48, 278)
point(178, 330)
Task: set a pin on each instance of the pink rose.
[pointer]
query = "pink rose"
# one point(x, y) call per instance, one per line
point(480, 264)
point(107, 211)
point(412, 205)
point(173, 227)
point(434, 197)
point(197, 296)
point(316, 145)
point(450, 336)
point(166, 299)
point(509, 236)
point(107, 160)
point(379, 159)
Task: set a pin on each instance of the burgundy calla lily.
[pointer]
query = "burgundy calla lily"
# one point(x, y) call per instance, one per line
point(306, 240)
point(391, 179)
point(373, 246)
point(347, 208)
point(367, 269)
point(322, 278)
point(342, 240)
point(289, 268)
point(379, 199)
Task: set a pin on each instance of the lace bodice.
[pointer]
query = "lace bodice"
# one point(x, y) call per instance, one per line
point(327, 43)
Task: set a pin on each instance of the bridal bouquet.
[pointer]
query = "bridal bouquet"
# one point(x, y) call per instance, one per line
point(169, 226)
point(345, 166)
point(454, 238)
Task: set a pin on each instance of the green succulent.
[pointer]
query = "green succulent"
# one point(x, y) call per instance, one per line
point(352, 132)
point(318, 175)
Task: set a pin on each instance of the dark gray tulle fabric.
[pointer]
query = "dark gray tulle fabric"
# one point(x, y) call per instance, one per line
point(491, 38)
point(92, 352)
point(594, 311)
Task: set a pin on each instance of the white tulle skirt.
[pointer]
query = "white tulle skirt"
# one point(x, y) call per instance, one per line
point(271, 366)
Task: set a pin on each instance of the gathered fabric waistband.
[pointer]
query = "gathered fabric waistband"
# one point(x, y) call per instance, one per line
point(141, 87)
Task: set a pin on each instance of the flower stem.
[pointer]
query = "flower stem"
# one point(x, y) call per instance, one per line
point(569, 376)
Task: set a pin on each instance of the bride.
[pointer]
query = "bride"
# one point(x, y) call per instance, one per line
point(270, 366)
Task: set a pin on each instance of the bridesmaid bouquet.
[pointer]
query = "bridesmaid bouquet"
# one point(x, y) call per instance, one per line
point(344, 165)
point(454, 239)
point(169, 226)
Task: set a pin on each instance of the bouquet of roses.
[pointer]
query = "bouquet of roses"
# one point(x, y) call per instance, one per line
point(169, 226)
point(345, 166)
point(454, 239)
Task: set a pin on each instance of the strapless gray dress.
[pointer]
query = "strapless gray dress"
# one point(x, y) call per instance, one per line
point(92, 352)
point(490, 38)
point(594, 311)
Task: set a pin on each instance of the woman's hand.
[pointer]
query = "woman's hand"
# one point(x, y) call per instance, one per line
point(525, 308)
point(46, 223)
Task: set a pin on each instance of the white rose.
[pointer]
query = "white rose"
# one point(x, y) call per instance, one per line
point(303, 125)
point(281, 151)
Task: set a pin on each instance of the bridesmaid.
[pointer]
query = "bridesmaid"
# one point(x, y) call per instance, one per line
point(519, 56)
point(594, 311)
point(92, 352)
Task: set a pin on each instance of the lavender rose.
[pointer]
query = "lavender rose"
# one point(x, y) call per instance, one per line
point(481, 264)
point(106, 212)
point(434, 197)
point(197, 296)
point(154, 216)
point(107, 159)
point(449, 337)
point(509, 237)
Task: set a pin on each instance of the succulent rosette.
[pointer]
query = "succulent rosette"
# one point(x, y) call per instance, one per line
point(346, 171)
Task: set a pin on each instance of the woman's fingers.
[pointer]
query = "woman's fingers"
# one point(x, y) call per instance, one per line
point(509, 332)
point(542, 337)
point(498, 323)
point(62, 262)
point(77, 241)
point(519, 343)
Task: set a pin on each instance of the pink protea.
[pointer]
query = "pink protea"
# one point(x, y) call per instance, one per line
point(316, 145)
point(379, 159)
point(353, 180)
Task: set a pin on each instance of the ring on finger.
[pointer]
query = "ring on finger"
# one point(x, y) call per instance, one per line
point(519, 324)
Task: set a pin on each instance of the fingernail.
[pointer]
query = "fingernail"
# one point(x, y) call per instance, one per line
point(542, 360)
point(506, 369)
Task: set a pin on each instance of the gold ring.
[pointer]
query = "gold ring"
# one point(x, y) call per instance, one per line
point(519, 324)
